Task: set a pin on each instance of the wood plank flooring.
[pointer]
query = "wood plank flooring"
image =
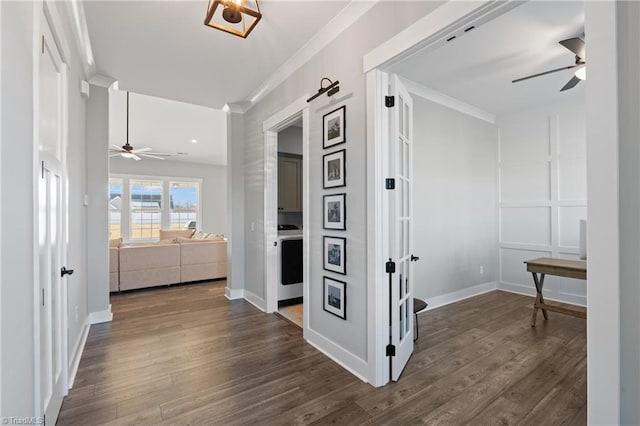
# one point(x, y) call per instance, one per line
point(186, 355)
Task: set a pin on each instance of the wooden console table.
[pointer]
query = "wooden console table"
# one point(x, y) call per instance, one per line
point(562, 268)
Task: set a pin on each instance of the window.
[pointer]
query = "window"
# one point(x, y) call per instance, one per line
point(115, 208)
point(146, 209)
point(139, 206)
point(184, 204)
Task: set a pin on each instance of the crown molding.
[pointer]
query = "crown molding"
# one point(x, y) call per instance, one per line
point(102, 81)
point(235, 108)
point(448, 101)
point(343, 20)
point(75, 13)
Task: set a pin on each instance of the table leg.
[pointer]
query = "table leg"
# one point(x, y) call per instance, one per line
point(539, 298)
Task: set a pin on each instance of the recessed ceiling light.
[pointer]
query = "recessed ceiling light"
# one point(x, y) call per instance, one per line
point(194, 140)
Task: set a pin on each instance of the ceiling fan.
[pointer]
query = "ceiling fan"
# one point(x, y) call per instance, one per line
point(577, 46)
point(128, 151)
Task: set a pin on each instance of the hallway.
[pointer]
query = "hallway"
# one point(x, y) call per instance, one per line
point(186, 355)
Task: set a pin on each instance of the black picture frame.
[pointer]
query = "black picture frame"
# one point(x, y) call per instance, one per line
point(334, 297)
point(334, 212)
point(333, 169)
point(334, 254)
point(334, 127)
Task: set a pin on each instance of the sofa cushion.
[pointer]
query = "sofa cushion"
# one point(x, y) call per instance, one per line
point(175, 233)
point(115, 242)
point(137, 258)
point(196, 253)
point(113, 259)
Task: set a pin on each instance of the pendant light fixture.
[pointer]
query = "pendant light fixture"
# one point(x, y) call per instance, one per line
point(237, 17)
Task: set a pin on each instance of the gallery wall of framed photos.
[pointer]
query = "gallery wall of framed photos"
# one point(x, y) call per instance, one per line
point(334, 204)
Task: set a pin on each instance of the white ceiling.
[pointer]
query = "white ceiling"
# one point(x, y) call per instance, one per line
point(169, 126)
point(163, 48)
point(478, 67)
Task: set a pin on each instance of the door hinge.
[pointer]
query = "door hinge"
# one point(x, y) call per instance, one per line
point(42, 169)
point(390, 267)
point(390, 183)
point(389, 101)
point(42, 45)
point(391, 350)
point(43, 297)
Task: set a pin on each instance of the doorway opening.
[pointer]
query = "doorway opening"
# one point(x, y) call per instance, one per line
point(501, 165)
point(290, 218)
point(286, 202)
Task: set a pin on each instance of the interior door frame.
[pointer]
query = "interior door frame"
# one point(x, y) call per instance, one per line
point(430, 32)
point(277, 122)
point(47, 10)
point(603, 323)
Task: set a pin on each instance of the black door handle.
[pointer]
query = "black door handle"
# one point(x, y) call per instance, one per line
point(275, 243)
point(64, 271)
point(414, 258)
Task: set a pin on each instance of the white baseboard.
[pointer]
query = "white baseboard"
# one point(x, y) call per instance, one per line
point(456, 296)
point(572, 299)
point(255, 300)
point(101, 316)
point(350, 362)
point(77, 352)
point(233, 293)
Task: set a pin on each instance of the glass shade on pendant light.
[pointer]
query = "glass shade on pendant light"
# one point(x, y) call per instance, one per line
point(237, 17)
point(581, 73)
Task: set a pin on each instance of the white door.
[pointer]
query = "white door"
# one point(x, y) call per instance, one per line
point(401, 205)
point(51, 231)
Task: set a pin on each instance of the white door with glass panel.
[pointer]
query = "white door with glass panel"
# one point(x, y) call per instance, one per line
point(51, 230)
point(400, 227)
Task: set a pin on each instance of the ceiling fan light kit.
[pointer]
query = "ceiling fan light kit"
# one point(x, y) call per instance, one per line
point(237, 17)
point(577, 46)
point(127, 151)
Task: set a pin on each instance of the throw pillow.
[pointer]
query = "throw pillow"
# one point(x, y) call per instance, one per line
point(172, 234)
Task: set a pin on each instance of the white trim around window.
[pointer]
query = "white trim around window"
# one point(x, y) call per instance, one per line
point(125, 211)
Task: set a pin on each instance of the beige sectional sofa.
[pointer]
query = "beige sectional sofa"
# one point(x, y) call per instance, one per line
point(172, 260)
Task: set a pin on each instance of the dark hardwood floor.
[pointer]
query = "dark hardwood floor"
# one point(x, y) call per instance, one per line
point(185, 355)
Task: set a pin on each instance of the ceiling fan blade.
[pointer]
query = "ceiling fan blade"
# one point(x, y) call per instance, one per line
point(135, 157)
point(571, 84)
point(119, 148)
point(160, 154)
point(114, 155)
point(544, 73)
point(576, 45)
point(152, 156)
point(142, 150)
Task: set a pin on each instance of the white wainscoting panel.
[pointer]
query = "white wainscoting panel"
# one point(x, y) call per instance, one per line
point(526, 225)
point(542, 187)
point(572, 179)
point(569, 225)
point(525, 182)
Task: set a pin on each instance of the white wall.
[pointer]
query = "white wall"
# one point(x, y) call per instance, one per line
point(543, 194)
point(97, 187)
point(629, 158)
point(235, 205)
point(19, 47)
point(17, 222)
point(454, 213)
point(213, 190)
point(341, 60)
